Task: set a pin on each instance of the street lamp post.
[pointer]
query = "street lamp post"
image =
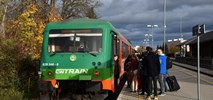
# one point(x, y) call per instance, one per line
point(146, 40)
point(152, 26)
point(164, 27)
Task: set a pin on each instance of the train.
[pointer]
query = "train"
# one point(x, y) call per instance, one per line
point(78, 56)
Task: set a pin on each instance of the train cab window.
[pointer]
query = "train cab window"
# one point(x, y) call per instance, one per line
point(84, 41)
point(61, 44)
point(89, 43)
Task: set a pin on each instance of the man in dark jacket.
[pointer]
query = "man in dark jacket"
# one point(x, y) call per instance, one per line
point(143, 75)
point(151, 65)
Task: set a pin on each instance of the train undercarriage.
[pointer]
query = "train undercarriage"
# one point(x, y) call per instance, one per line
point(78, 90)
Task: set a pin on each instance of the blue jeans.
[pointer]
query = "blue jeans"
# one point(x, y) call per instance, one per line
point(165, 83)
point(162, 82)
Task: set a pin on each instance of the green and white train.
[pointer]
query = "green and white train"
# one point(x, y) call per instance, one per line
point(78, 56)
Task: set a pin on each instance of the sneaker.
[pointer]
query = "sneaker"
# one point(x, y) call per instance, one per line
point(155, 98)
point(159, 93)
point(162, 94)
point(148, 98)
point(141, 93)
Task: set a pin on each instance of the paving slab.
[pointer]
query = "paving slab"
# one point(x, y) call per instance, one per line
point(187, 80)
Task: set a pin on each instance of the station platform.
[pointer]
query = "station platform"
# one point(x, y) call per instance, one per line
point(187, 80)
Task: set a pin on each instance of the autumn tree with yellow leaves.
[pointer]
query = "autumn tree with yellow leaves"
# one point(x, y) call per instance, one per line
point(31, 27)
point(20, 48)
point(21, 31)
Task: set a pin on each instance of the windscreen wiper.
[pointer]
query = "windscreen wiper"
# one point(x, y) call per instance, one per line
point(52, 54)
point(93, 54)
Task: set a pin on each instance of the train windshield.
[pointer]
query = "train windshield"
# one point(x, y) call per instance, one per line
point(81, 40)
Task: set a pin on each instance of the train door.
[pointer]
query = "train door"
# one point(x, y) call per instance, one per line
point(115, 43)
point(115, 54)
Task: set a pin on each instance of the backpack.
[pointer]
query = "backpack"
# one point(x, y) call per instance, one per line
point(168, 63)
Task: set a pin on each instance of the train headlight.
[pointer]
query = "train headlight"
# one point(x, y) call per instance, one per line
point(49, 73)
point(39, 73)
point(56, 86)
point(96, 73)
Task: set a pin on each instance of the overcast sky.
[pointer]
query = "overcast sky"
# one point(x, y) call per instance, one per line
point(131, 17)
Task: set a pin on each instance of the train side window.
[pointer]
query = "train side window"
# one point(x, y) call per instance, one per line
point(124, 50)
point(118, 47)
point(114, 44)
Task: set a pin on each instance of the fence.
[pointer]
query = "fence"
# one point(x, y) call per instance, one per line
point(204, 63)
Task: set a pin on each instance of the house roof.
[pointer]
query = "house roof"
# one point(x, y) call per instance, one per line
point(186, 42)
point(203, 38)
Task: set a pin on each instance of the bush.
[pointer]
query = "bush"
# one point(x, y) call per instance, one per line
point(11, 94)
point(29, 77)
point(9, 80)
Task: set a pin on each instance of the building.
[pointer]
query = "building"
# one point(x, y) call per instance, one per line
point(206, 51)
point(206, 46)
point(171, 47)
point(185, 47)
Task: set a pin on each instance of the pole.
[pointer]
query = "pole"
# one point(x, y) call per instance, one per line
point(164, 27)
point(181, 36)
point(152, 35)
point(148, 40)
point(198, 67)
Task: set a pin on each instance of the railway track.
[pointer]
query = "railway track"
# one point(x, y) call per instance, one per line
point(82, 95)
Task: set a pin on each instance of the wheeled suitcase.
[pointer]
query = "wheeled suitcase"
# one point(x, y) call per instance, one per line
point(172, 83)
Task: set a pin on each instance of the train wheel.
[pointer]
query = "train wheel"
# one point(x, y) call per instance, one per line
point(99, 95)
point(79, 97)
point(54, 95)
point(89, 96)
point(86, 97)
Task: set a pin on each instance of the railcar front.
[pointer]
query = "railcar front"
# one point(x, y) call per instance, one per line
point(76, 59)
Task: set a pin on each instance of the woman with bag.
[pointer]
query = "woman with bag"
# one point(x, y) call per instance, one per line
point(134, 70)
point(127, 66)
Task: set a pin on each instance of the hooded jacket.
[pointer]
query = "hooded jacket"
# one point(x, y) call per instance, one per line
point(162, 59)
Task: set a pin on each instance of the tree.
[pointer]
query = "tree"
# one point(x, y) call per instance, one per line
point(141, 49)
point(157, 47)
point(174, 49)
point(52, 3)
point(166, 48)
point(4, 8)
point(23, 23)
point(31, 25)
point(79, 8)
point(9, 79)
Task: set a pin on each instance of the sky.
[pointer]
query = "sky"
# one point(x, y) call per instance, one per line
point(131, 18)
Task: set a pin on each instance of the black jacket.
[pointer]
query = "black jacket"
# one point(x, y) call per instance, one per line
point(151, 65)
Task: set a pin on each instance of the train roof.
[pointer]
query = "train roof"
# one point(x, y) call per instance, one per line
point(66, 24)
point(83, 21)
